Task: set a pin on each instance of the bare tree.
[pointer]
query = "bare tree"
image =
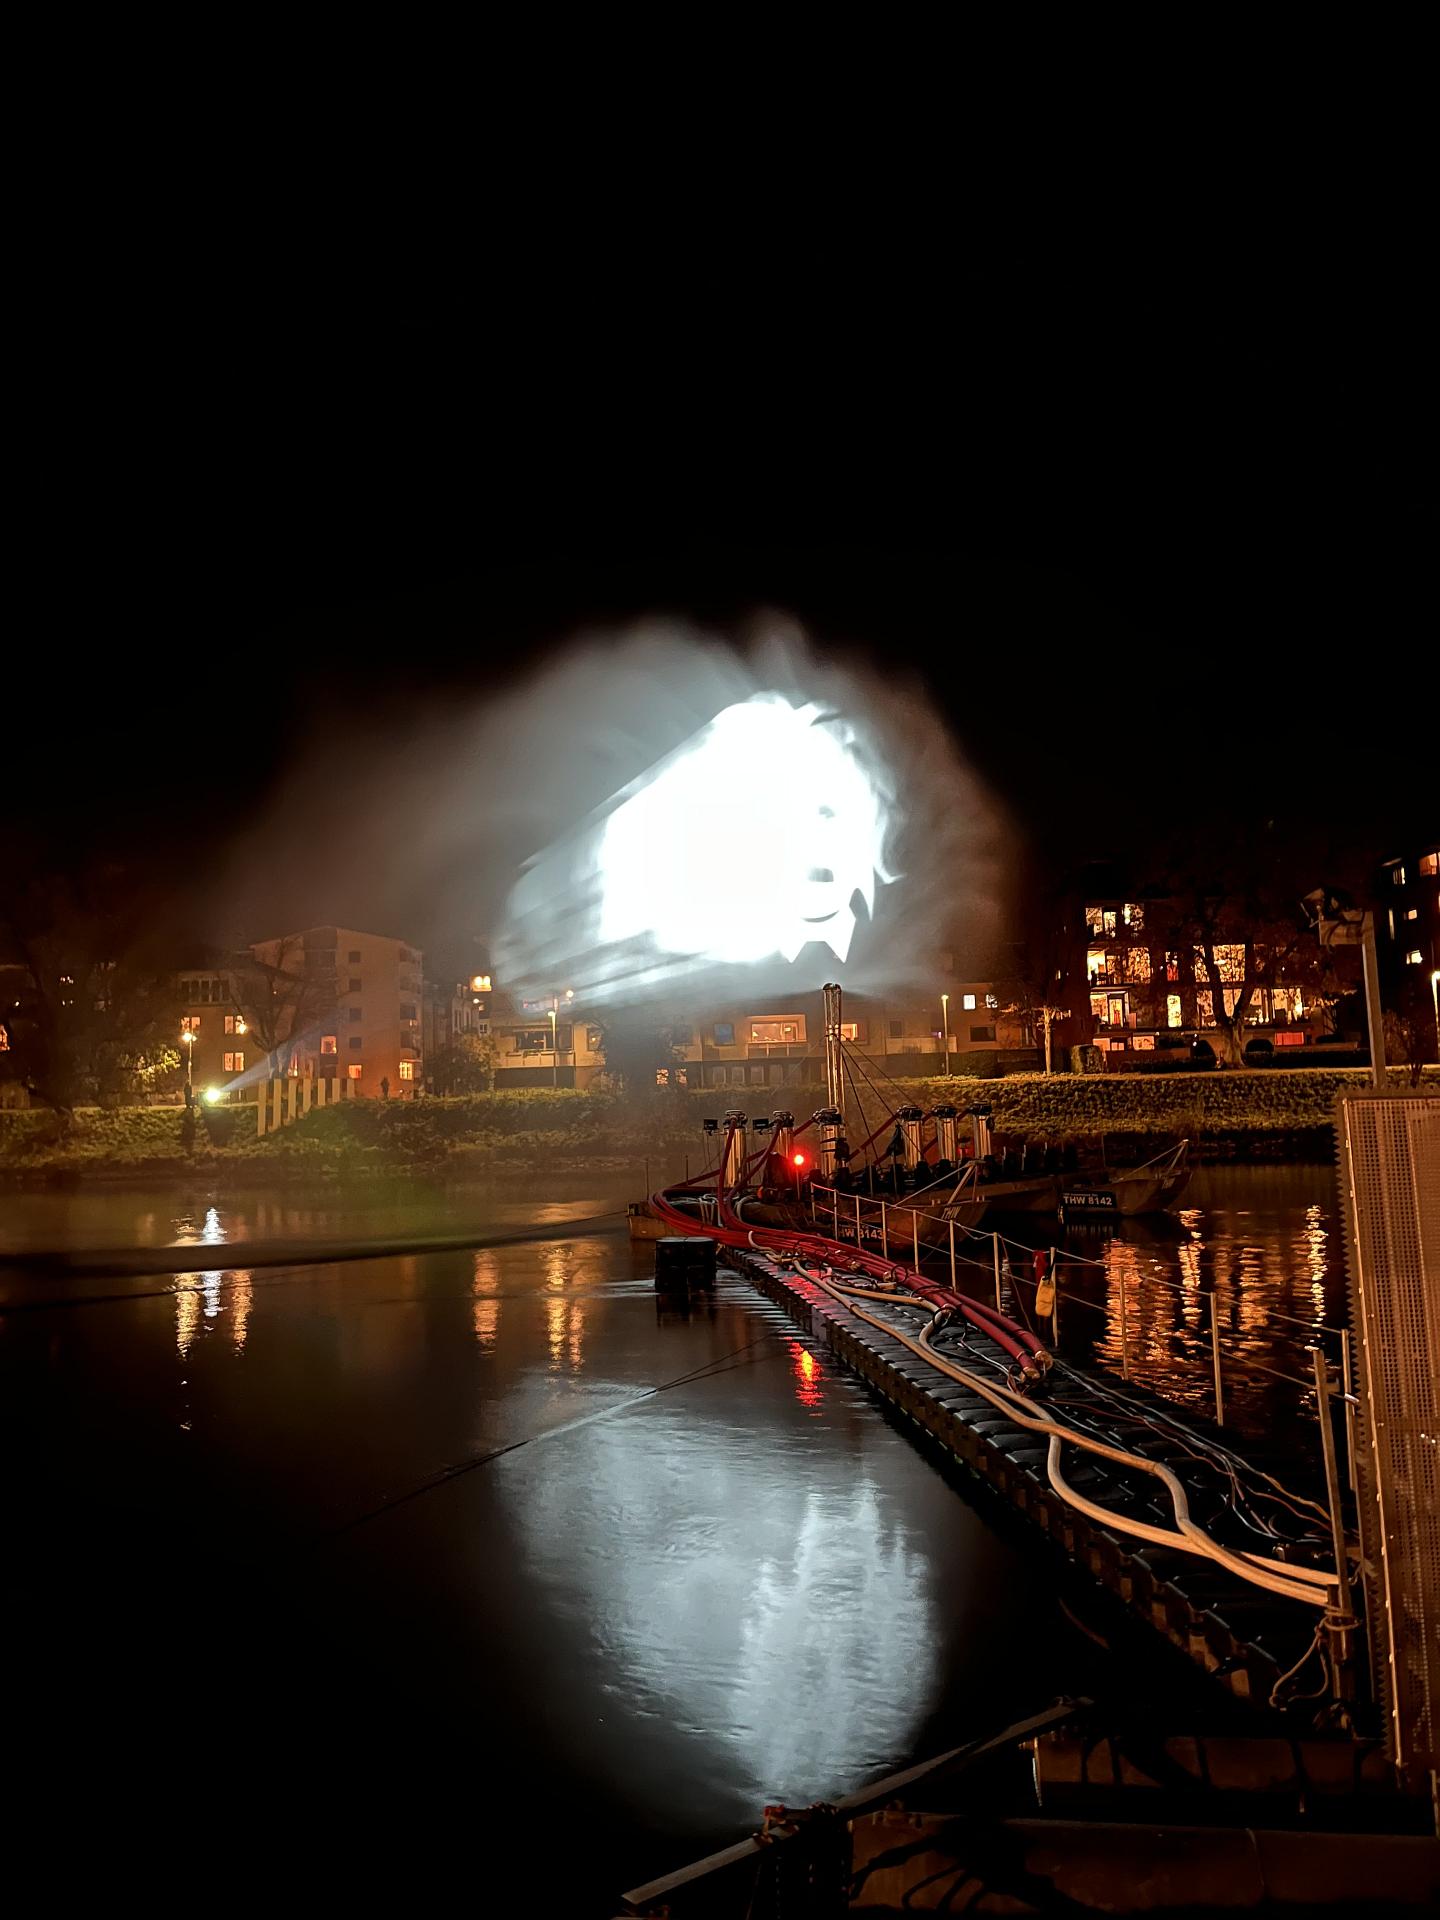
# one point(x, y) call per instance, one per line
point(283, 995)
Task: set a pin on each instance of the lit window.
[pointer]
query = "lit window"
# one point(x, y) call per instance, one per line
point(992, 1001)
point(190, 1023)
point(327, 1043)
point(1412, 913)
point(1397, 876)
point(967, 1001)
point(234, 1063)
point(1099, 1007)
point(857, 1031)
point(1173, 1013)
point(780, 1031)
point(1100, 919)
point(1134, 916)
point(354, 1072)
point(480, 983)
point(407, 1069)
point(1430, 864)
point(240, 1026)
point(1414, 958)
point(1172, 966)
point(594, 1038)
point(1096, 964)
point(1204, 1009)
point(1144, 1043)
point(229, 1023)
point(1137, 964)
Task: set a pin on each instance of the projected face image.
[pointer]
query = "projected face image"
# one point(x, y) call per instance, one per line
point(750, 840)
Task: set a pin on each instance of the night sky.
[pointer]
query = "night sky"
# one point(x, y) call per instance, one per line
point(1159, 531)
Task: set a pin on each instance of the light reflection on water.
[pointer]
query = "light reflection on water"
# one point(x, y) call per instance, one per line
point(1252, 1242)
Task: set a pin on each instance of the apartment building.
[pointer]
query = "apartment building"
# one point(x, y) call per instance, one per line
point(330, 1001)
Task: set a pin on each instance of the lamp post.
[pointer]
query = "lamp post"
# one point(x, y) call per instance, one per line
point(554, 1053)
point(945, 1023)
point(187, 1035)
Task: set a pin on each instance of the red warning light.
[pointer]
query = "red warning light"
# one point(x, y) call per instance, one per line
point(799, 1159)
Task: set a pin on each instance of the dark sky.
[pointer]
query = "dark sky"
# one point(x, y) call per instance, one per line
point(1157, 527)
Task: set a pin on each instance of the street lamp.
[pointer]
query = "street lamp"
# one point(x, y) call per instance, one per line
point(187, 1034)
point(945, 1023)
point(554, 1053)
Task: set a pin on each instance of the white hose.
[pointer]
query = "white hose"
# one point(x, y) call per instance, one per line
point(1296, 1583)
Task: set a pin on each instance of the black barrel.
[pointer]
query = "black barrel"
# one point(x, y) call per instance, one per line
point(685, 1260)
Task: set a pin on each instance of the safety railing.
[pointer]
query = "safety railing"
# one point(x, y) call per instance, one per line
point(909, 1234)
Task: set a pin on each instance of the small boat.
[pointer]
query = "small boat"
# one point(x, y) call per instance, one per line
point(1152, 1187)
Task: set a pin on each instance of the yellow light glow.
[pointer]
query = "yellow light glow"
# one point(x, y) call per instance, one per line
point(213, 1095)
point(480, 983)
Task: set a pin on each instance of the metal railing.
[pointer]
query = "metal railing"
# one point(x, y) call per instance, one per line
point(901, 1231)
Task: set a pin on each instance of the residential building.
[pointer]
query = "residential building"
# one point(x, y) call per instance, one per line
point(330, 1001)
point(1407, 931)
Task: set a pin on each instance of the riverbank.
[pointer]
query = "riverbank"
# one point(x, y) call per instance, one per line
point(1243, 1115)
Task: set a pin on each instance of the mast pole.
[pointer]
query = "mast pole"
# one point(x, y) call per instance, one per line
point(834, 1079)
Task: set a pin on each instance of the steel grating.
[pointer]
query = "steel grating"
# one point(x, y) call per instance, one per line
point(1389, 1151)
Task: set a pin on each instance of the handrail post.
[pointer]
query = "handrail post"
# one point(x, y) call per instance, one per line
point(834, 1213)
point(953, 1287)
point(1124, 1325)
point(1055, 1298)
point(1340, 1618)
point(915, 1235)
point(884, 1230)
point(1215, 1357)
point(995, 1251)
point(1347, 1386)
point(859, 1237)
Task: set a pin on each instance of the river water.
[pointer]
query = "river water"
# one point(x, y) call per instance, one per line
point(492, 1563)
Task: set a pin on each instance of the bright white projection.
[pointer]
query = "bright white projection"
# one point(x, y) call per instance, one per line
point(750, 840)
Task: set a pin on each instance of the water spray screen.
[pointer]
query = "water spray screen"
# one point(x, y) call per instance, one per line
point(751, 840)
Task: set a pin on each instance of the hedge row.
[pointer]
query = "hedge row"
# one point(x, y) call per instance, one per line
point(530, 1122)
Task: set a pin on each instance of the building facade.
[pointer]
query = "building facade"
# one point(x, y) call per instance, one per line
point(1407, 936)
point(329, 1001)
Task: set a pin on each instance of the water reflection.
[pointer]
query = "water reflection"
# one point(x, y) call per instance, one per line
point(201, 1297)
point(1255, 1242)
point(808, 1374)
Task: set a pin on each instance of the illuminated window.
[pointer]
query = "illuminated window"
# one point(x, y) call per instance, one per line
point(1096, 964)
point(234, 1063)
point(1099, 1007)
point(1137, 964)
point(1412, 913)
point(190, 1023)
point(1204, 1009)
point(594, 1039)
point(724, 1033)
point(1144, 1043)
point(856, 1031)
point(1430, 864)
point(783, 1030)
point(1134, 916)
point(327, 1043)
point(407, 1069)
point(229, 1023)
point(480, 983)
point(354, 1072)
point(967, 1001)
point(1397, 876)
point(1414, 958)
point(1173, 1014)
point(1172, 966)
point(992, 1001)
point(1100, 919)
